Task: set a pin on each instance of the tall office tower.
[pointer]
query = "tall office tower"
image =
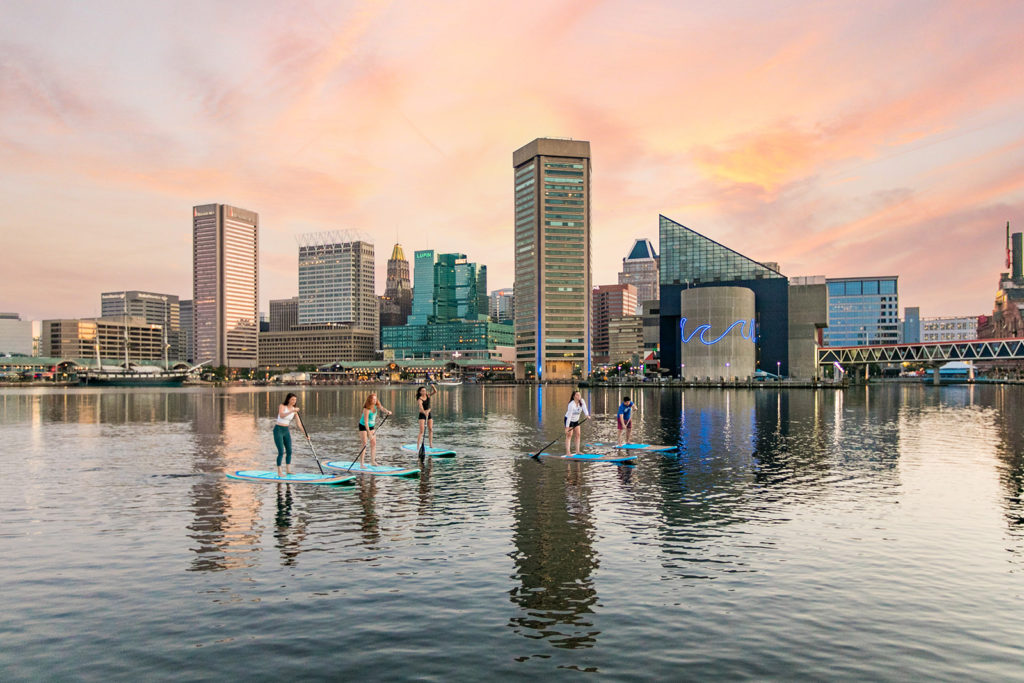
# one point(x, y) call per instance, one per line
point(397, 299)
point(552, 259)
point(640, 269)
point(456, 294)
point(501, 303)
point(423, 287)
point(284, 314)
point(609, 301)
point(155, 309)
point(483, 302)
point(187, 337)
point(862, 311)
point(336, 280)
point(225, 277)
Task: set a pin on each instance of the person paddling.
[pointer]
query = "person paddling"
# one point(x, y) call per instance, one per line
point(367, 428)
point(625, 419)
point(426, 417)
point(282, 432)
point(577, 408)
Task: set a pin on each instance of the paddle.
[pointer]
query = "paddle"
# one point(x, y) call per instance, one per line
point(536, 456)
point(310, 442)
point(367, 442)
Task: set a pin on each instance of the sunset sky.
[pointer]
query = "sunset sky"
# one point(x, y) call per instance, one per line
point(840, 139)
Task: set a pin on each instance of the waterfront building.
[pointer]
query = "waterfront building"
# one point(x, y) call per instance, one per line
point(188, 340)
point(946, 328)
point(284, 314)
point(423, 303)
point(116, 337)
point(910, 326)
point(154, 308)
point(501, 305)
point(651, 312)
point(1006, 321)
point(15, 335)
point(690, 260)
point(315, 344)
point(551, 190)
point(862, 311)
point(336, 280)
point(225, 277)
point(608, 301)
point(625, 339)
point(808, 318)
point(396, 304)
point(421, 341)
point(640, 269)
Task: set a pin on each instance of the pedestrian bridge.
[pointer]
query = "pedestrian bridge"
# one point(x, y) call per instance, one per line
point(924, 352)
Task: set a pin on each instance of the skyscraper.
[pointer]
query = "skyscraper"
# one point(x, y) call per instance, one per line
point(640, 269)
point(397, 299)
point(423, 287)
point(609, 301)
point(336, 280)
point(552, 260)
point(225, 273)
point(500, 308)
point(187, 335)
point(155, 309)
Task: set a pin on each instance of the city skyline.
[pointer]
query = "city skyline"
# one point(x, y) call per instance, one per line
point(836, 140)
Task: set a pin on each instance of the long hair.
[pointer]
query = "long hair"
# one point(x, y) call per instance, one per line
point(368, 404)
point(288, 398)
point(572, 398)
point(419, 391)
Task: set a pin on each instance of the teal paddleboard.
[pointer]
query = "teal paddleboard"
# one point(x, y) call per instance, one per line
point(590, 457)
point(294, 478)
point(633, 447)
point(379, 470)
point(430, 450)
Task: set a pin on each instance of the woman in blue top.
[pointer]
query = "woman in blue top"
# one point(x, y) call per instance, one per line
point(368, 428)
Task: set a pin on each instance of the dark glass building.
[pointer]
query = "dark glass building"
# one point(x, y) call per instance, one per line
point(688, 260)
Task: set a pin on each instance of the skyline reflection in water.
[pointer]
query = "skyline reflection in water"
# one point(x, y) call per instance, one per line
point(783, 518)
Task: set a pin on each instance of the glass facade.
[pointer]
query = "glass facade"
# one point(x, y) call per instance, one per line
point(225, 273)
point(423, 287)
point(862, 311)
point(687, 257)
point(552, 257)
point(417, 341)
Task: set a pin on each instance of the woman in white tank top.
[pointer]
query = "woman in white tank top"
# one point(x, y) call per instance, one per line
point(286, 412)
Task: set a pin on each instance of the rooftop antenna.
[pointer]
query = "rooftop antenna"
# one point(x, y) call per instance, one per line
point(1009, 259)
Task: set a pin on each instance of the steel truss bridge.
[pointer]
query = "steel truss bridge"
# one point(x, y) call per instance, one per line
point(925, 352)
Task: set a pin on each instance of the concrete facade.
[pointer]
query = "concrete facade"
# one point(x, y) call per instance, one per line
point(625, 339)
point(716, 335)
point(808, 317)
point(315, 345)
point(15, 335)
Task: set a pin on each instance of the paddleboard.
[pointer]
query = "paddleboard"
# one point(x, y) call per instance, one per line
point(430, 450)
point(634, 447)
point(294, 478)
point(590, 457)
point(379, 470)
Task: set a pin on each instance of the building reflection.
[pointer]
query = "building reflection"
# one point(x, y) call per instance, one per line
point(225, 527)
point(554, 557)
point(1010, 426)
point(289, 526)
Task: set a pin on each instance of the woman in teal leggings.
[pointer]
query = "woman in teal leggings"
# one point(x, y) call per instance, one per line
point(282, 434)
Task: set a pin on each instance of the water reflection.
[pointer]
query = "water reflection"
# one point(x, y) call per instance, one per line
point(289, 528)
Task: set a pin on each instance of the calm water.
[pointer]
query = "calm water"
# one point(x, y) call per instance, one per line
point(876, 533)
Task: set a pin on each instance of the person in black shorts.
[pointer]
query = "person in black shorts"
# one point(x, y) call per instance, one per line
point(426, 417)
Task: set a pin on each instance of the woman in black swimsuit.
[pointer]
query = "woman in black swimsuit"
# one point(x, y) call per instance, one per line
point(426, 418)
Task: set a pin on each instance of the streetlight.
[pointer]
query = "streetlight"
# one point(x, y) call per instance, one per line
point(778, 369)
